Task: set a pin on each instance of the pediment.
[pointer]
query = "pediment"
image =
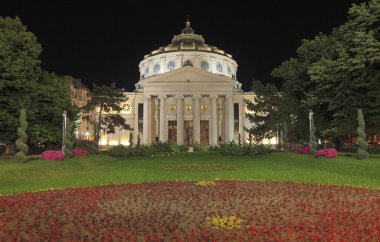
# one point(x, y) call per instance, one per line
point(187, 74)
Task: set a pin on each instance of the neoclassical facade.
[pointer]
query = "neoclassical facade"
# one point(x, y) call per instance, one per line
point(187, 93)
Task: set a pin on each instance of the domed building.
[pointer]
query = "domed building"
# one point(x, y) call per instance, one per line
point(187, 93)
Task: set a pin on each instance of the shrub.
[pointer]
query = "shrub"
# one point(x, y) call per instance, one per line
point(327, 153)
point(199, 148)
point(88, 145)
point(142, 150)
point(363, 145)
point(80, 152)
point(231, 149)
point(21, 141)
point(119, 150)
point(302, 150)
point(52, 155)
point(162, 147)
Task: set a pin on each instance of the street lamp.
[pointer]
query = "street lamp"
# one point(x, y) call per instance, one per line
point(64, 130)
point(310, 118)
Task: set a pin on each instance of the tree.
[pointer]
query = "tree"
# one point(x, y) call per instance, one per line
point(104, 108)
point(337, 73)
point(313, 139)
point(21, 141)
point(68, 139)
point(266, 112)
point(363, 145)
point(52, 97)
point(285, 135)
point(20, 69)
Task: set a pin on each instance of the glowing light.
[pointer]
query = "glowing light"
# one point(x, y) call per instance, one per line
point(114, 142)
point(125, 142)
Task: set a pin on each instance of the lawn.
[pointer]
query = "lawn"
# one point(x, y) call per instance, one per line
point(102, 169)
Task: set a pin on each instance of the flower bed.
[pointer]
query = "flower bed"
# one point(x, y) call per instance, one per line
point(180, 211)
point(52, 155)
point(327, 153)
point(80, 152)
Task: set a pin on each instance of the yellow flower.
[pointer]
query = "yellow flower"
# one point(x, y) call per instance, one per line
point(224, 223)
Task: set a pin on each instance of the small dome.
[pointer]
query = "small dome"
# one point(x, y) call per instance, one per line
point(188, 41)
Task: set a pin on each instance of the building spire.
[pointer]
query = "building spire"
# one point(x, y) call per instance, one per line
point(188, 29)
point(188, 23)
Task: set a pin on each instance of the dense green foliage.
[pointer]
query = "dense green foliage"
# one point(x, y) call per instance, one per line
point(336, 74)
point(53, 98)
point(19, 73)
point(266, 112)
point(21, 141)
point(285, 139)
point(363, 145)
point(24, 85)
point(102, 169)
point(104, 108)
point(245, 149)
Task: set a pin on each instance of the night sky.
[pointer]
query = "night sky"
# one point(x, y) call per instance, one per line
point(104, 42)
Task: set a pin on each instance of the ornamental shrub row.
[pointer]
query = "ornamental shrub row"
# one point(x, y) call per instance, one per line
point(58, 155)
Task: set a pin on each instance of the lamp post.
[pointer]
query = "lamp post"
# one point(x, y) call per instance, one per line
point(64, 130)
point(310, 118)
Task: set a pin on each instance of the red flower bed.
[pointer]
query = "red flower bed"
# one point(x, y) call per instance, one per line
point(80, 152)
point(181, 211)
point(52, 155)
point(327, 153)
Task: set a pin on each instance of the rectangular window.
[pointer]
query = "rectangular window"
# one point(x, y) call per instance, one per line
point(172, 131)
point(236, 118)
point(140, 118)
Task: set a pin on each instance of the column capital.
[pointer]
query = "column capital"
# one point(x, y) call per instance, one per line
point(146, 97)
point(179, 96)
point(197, 96)
point(229, 96)
point(213, 96)
point(162, 97)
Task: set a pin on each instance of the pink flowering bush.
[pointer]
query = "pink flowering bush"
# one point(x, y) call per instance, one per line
point(80, 152)
point(327, 153)
point(302, 150)
point(53, 155)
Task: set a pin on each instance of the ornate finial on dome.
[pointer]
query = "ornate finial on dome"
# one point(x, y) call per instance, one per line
point(188, 29)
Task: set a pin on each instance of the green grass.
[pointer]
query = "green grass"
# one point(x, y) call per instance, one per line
point(102, 169)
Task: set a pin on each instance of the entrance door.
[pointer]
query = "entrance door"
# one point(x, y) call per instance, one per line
point(188, 131)
point(172, 131)
point(204, 132)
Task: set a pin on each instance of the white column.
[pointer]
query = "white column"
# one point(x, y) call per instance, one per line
point(179, 119)
point(230, 118)
point(197, 120)
point(214, 121)
point(146, 120)
point(162, 118)
point(242, 121)
point(135, 122)
point(220, 117)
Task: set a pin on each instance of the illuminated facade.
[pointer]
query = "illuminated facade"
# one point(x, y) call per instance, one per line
point(187, 93)
point(80, 95)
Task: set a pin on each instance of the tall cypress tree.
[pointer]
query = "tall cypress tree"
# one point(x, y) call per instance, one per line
point(21, 141)
point(363, 145)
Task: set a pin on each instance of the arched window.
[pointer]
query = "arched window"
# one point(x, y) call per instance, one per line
point(219, 67)
point(156, 68)
point(205, 65)
point(171, 65)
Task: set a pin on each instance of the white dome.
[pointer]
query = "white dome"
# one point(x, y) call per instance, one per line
point(188, 48)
